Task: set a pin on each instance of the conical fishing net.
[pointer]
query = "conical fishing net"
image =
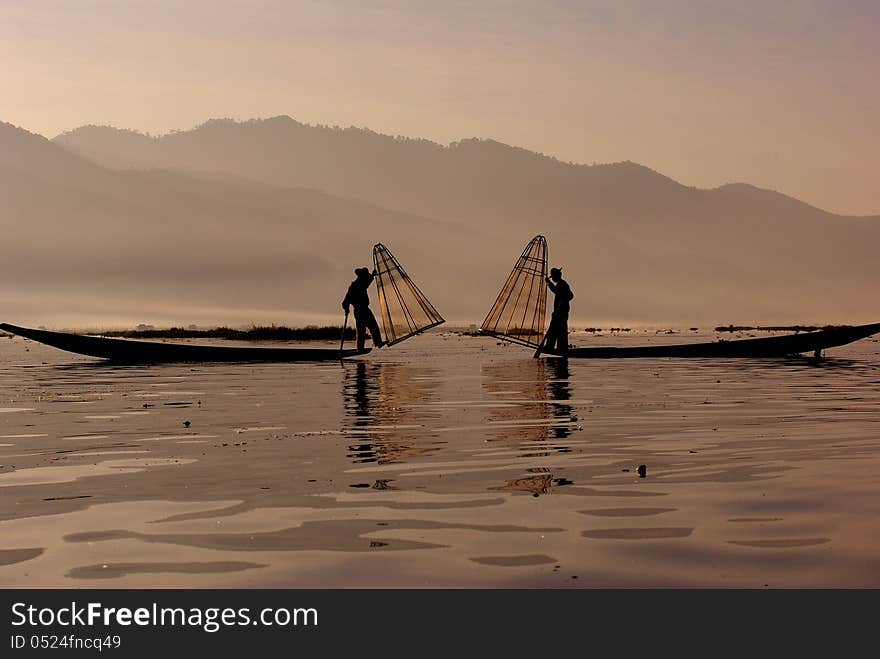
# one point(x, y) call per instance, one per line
point(518, 312)
point(404, 308)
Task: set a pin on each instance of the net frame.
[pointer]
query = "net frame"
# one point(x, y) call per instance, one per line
point(528, 276)
point(385, 266)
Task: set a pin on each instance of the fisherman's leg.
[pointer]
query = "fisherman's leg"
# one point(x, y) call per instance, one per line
point(361, 328)
point(375, 332)
point(553, 334)
point(548, 337)
point(562, 336)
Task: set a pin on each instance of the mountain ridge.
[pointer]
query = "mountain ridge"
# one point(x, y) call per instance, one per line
point(79, 139)
point(221, 239)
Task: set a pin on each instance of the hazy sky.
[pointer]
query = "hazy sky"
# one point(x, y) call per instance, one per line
point(780, 94)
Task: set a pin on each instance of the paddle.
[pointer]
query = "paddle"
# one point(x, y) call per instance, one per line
point(540, 347)
point(342, 338)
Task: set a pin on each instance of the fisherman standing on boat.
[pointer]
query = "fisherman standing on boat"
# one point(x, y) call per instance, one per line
point(364, 319)
point(556, 339)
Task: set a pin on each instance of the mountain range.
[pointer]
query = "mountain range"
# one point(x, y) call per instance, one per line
point(264, 220)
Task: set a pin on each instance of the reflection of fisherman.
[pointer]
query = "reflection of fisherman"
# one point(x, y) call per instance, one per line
point(556, 339)
point(364, 319)
point(559, 390)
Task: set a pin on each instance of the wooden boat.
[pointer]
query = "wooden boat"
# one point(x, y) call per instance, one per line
point(124, 350)
point(771, 346)
point(518, 316)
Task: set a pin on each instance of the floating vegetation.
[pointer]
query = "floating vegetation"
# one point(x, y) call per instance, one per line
point(777, 328)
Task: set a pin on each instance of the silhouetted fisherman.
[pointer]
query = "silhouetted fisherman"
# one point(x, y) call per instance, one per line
point(556, 339)
point(364, 319)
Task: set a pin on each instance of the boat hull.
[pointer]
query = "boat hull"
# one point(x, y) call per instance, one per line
point(123, 350)
point(764, 347)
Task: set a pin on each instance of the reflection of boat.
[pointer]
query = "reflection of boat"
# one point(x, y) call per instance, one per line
point(122, 350)
point(774, 346)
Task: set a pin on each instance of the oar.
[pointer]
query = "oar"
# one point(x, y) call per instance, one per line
point(541, 345)
point(342, 338)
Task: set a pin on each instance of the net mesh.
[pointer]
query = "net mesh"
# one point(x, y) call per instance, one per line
point(519, 309)
point(404, 308)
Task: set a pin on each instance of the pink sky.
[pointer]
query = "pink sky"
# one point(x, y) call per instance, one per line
point(783, 95)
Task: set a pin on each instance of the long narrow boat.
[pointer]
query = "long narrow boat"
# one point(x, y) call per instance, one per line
point(771, 346)
point(124, 350)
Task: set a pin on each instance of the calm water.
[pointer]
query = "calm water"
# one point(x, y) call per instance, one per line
point(445, 461)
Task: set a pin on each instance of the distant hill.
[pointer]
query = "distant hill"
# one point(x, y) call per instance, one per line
point(270, 215)
point(81, 242)
point(469, 179)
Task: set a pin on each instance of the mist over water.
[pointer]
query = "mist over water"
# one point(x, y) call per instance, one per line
point(265, 221)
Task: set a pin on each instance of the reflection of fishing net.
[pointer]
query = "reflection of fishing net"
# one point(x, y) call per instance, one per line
point(525, 381)
point(518, 312)
point(404, 309)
